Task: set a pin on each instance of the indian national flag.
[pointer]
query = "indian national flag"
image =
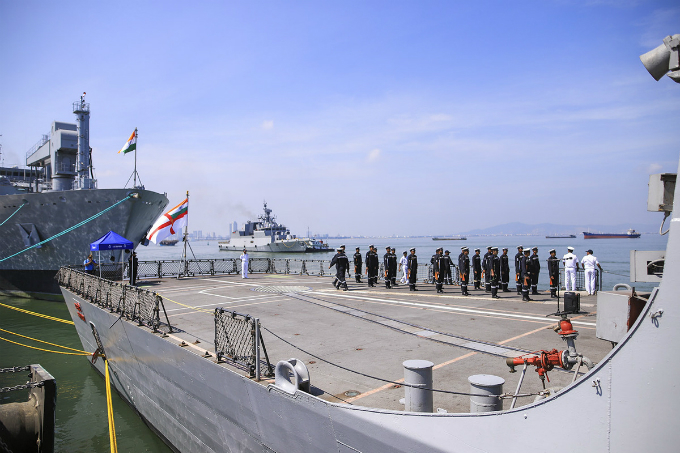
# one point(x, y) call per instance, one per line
point(170, 222)
point(130, 145)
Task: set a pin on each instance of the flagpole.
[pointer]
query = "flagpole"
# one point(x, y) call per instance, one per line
point(135, 173)
point(186, 232)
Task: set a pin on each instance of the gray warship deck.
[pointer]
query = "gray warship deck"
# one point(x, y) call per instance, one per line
point(364, 329)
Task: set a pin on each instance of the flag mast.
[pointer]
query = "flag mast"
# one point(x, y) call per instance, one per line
point(134, 184)
point(184, 239)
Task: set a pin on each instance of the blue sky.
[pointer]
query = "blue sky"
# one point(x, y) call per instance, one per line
point(366, 118)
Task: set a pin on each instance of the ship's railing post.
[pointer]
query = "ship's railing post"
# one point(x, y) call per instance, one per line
point(256, 321)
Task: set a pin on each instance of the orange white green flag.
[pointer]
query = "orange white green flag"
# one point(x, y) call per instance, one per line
point(130, 145)
point(170, 222)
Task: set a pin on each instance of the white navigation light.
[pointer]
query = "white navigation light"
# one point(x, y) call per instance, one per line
point(664, 59)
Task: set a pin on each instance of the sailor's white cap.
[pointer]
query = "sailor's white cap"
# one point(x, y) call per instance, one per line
point(571, 249)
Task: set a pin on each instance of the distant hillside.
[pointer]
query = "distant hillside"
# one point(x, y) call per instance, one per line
point(543, 229)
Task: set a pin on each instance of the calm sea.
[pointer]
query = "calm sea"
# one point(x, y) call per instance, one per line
point(81, 402)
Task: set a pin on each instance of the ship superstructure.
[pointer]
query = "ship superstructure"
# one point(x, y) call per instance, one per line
point(56, 192)
point(266, 235)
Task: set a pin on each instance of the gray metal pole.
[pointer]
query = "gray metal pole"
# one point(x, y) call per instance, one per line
point(418, 374)
point(486, 389)
point(257, 349)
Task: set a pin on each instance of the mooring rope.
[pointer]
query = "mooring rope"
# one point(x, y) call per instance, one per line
point(109, 409)
point(52, 318)
point(46, 342)
point(22, 205)
point(46, 350)
point(68, 230)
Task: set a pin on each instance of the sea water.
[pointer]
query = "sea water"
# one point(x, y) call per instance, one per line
point(81, 420)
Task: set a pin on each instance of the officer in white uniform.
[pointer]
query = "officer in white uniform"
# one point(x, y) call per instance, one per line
point(570, 262)
point(403, 265)
point(244, 264)
point(589, 262)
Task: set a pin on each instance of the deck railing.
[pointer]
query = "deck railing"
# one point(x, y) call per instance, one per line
point(319, 268)
point(135, 304)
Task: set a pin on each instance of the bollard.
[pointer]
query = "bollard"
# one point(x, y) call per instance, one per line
point(418, 373)
point(485, 385)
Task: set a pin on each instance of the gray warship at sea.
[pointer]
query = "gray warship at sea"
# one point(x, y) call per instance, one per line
point(56, 193)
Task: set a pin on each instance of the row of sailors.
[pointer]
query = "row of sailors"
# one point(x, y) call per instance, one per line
point(492, 267)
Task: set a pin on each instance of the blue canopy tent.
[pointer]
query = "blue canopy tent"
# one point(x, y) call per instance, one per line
point(110, 241)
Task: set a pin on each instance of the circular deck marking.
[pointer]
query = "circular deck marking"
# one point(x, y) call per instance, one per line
point(281, 289)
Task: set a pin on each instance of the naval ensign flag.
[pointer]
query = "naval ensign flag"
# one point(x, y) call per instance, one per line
point(170, 222)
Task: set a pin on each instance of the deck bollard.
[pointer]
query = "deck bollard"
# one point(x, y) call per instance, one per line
point(486, 387)
point(418, 374)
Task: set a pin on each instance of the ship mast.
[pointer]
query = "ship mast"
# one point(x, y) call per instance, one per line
point(82, 110)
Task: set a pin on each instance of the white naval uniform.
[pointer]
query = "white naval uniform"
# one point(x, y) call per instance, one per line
point(404, 268)
point(244, 265)
point(570, 261)
point(589, 262)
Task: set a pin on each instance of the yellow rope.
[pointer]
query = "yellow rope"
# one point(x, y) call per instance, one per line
point(109, 407)
point(46, 350)
point(46, 342)
point(65, 321)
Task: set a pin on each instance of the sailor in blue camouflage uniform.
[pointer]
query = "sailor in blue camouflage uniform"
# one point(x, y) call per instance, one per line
point(448, 265)
point(477, 269)
point(341, 264)
point(486, 269)
point(464, 270)
point(372, 265)
point(438, 269)
point(394, 262)
point(525, 274)
point(412, 270)
point(494, 271)
point(357, 265)
point(535, 270)
point(505, 270)
point(518, 273)
point(554, 272)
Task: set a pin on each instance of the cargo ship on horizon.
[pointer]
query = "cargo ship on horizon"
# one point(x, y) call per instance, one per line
point(630, 234)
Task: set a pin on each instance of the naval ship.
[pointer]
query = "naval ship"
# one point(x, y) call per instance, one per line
point(266, 235)
point(55, 193)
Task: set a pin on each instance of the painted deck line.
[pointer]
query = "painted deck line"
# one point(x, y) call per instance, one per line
point(460, 309)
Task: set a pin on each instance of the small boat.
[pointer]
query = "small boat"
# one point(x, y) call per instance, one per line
point(459, 238)
point(568, 236)
point(629, 234)
point(169, 241)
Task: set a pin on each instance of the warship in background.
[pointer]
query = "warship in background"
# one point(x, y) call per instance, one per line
point(266, 235)
point(57, 191)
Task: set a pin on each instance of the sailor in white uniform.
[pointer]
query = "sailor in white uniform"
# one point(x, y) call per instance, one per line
point(589, 262)
point(570, 262)
point(244, 264)
point(403, 265)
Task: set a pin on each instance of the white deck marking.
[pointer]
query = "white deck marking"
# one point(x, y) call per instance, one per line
point(451, 308)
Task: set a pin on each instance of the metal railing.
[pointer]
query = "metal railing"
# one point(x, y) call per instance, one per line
point(237, 338)
point(581, 280)
point(135, 304)
point(217, 266)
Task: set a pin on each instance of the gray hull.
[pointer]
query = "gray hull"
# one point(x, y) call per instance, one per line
point(199, 406)
point(32, 273)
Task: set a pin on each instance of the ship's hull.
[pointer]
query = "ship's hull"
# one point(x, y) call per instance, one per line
point(197, 405)
point(31, 274)
point(609, 236)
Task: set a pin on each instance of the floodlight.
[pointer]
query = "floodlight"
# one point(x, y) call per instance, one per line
point(664, 59)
